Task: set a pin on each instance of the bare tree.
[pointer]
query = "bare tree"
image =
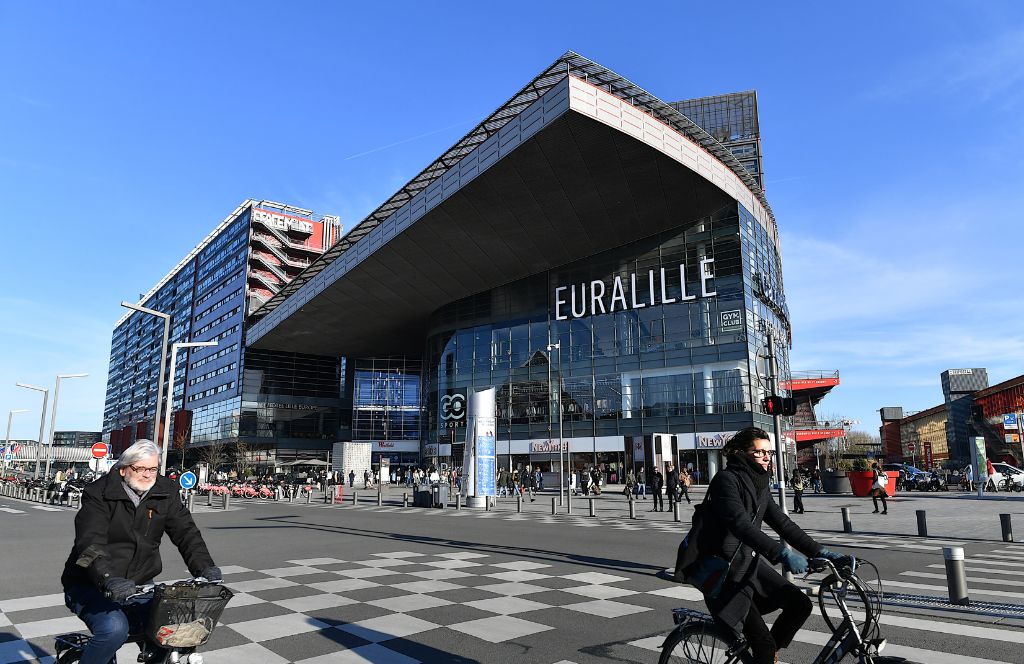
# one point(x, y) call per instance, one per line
point(181, 439)
point(213, 455)
point(241, 450)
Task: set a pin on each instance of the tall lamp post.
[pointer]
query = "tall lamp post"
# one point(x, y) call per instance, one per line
point(170, 396)
point(53, 418)
point(7, 439)
point(163, 359)
point(42, 424)
point(561, 463)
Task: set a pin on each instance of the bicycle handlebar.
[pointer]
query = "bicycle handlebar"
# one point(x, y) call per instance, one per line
point(845, 567)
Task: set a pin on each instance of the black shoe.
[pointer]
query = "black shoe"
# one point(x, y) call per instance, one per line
point(875, 512)
point(885, 512)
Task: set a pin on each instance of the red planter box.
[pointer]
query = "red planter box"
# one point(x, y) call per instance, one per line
point(861, 481)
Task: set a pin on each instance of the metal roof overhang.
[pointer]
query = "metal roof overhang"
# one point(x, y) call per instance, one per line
point(573, 189)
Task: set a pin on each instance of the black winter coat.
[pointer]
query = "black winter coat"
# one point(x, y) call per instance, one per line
point(730, 523)
point(128, 538)
point(672, 479)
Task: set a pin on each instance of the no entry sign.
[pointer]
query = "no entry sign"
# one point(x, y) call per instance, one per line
point(100, 450)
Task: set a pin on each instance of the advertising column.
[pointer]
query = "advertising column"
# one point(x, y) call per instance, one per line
point(479, 458)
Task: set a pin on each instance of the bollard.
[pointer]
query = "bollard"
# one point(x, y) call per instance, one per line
point(956, 578)
point(355, 498)
point(632, 508)
point(847, 523)
point(333, 497)
point(405, 499)
point(190, 502)
point(519, 504)
point(458, 501)
point(592, 512)
point(675, 511)
point(922, 524)
point(209, 498)
point(227, 500)
point(553, 507)
point(568, 504)
point(380, 498)
point(1004, 523)
point(309, 497)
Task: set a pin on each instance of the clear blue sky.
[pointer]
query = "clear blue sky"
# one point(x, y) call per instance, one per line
point(892, 136)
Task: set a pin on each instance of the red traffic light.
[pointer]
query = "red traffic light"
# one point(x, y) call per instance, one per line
point(772, 405)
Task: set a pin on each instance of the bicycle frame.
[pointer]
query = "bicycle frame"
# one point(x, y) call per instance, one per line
point(846, 638)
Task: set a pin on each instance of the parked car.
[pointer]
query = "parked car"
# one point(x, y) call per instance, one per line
point(913, 478)
point(1011, 473)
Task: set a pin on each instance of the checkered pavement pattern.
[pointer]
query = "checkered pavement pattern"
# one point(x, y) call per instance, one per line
point(395, 607)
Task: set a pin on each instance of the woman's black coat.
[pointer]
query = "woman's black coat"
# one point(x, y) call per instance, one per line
point(730, 523)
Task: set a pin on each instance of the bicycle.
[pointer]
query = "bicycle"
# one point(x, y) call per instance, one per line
point(181, 617)
point(698, 639)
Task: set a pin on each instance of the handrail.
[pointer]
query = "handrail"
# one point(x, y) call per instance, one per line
point(814, 373)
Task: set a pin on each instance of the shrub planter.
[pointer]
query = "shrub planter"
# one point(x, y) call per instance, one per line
point(835, 482)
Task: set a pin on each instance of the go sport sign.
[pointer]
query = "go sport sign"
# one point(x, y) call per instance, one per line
point(452, 410)
point(592, 298)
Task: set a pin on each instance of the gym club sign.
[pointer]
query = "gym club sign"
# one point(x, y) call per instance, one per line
point(591, 298)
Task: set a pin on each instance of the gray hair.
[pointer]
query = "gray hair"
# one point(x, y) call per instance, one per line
point(140, 449)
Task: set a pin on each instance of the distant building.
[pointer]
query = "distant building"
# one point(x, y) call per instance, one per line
point(77, 438)
point(244, 261)
point(946, 431)
point(731, 119)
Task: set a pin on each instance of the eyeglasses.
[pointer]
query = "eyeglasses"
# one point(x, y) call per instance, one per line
point(767, 454)
point(141, 470)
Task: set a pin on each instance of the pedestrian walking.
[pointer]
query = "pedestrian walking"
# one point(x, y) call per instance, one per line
point(816, 480)
point(684, 483)
point(879, 487)
point(797, 484)
point(595, 481)
point(641, 484)
point(630, 487)
point(671, 483)
point(657, 484)
point(351, 478)
point(538, 479)
point(528, 484)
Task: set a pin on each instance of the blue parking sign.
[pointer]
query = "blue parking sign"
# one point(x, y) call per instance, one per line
point(1010, 420)
point(187, 480)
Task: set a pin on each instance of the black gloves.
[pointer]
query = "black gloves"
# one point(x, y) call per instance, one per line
point(118, 589)
point(211, 573)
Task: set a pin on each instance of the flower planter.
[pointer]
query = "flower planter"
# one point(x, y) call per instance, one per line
point(835, 482)
point(862, 480)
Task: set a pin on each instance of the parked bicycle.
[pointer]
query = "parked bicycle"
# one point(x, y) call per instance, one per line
point(181, 617)
point(698, 639)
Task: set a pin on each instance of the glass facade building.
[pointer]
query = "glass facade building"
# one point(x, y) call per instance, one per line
point(248, 257)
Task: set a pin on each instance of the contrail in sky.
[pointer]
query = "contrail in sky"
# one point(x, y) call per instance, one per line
point(407, 140)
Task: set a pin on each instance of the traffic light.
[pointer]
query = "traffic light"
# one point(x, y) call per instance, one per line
point(776, 405)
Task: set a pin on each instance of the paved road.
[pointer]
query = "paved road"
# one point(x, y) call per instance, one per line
point(318, 584)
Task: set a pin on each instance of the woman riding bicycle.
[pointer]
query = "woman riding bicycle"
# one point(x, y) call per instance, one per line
point(740, 499)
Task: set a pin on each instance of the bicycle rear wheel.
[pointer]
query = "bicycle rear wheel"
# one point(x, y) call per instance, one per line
point(701, 642)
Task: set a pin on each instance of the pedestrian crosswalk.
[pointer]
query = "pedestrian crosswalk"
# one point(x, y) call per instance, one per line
point(432, 604)
point(29, 508)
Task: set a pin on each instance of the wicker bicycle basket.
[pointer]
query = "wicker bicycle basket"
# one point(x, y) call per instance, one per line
point(184, 616)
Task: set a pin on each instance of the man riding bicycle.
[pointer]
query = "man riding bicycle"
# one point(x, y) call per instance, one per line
point(740, 499)
point(118, 530)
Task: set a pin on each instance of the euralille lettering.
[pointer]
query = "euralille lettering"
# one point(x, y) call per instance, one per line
point(595, 297)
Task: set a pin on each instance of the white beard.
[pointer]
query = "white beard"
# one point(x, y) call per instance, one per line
point(140, 486)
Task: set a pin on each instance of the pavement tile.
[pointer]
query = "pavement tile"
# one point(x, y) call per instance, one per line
point(243, 654)
point(237, 614)
point(380, 592)
point(407, 602)
point(521, 565)
point(440, 574)
point(517, 575)
point(363, 572)
point(314, 602)
point(595, 577)
point(343, 585)
point(308, 645)
point(296, 570)
point(499, 628)
point(507, 605)
point(316, 562)
point(512, 588)
point(606, 608)
point(388, 627)
point(427, 586)
point(370, 654)
point(254, 585)
point(264, 629)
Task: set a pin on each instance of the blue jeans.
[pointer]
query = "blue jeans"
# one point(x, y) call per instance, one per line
point(108, 621)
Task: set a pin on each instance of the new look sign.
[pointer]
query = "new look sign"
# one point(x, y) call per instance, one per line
point(635, 291)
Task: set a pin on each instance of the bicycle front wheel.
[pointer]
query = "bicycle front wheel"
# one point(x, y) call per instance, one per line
point(701, 642)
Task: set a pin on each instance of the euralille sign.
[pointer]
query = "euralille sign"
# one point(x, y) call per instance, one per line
point(597, 297)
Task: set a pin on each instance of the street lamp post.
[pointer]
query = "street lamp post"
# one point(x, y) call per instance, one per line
point(7, 439)
point(170, 396)
point(42, 424)
point(53, 419)
point(163, 360)
point(561, 463)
